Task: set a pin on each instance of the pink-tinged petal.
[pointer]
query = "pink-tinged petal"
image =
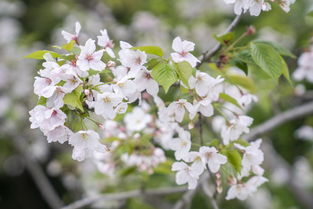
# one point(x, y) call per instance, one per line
point(177, 44)
point(188, 46)
point(177, 57)
point(182, 177)
point(97, 65)
point(153, 87)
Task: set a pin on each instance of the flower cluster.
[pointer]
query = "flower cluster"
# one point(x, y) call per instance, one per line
point(305, 67)
point(256, 6)
point(108, 105)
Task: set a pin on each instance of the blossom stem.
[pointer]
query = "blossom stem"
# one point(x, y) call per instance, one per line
point(200, 130)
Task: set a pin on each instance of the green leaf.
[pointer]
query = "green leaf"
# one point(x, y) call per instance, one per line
point(267, 58)
point(164, 74)
point(68, 46)
point(184, 71)
point(42, 101)
point(225, 38)
point(234, 158)
point(280, 49)
point(150, 50)
point(39, 54)
point(229, 99)
point(127, 171)
point(73, 99)
point(286, 71)
point(153, 62)
point(242, 81)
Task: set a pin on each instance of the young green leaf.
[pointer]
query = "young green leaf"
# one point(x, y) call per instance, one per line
point(229, 99)
point(280, 49)
point(150, 50)
point(267, 58)
point(184, 71)
point(73, 99)
point(285, 71)
point(242, 81)
point(164, 74)
point(225, 38)
point(39, 54)
point(234, 158)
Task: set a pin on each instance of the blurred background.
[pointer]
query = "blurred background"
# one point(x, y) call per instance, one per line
point(25, 155)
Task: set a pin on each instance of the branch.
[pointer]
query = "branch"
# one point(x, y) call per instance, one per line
point(275, 161)
point(39, 177)
point(124, 195)
point(297, 112)
point(206, 190)
point(206, 56)
point(187, 197)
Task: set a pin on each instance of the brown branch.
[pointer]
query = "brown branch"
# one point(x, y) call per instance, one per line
point(206, 56)
point(297, 112)
point(124, 195)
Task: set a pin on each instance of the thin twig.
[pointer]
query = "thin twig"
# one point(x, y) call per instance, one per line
point(124, 195)
point(205, 57)
point(300, 111)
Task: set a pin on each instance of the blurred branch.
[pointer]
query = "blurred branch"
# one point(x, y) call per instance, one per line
point(43, 184)
point(300, 111)
point(206, 56)
point(274, 160)
point(189, 194)
point(124, 195)
point(207, 192)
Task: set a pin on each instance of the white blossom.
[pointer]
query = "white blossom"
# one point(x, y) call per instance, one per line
point(85, 143)
point(184, 175)
point(178, 108)
point(106, 43)
point(144, 81)
point(235, 127)
point(89, 58)
point(182, 49)
point(244, 190)
point(211, 157)
point(69, 37)
point(137, 120)
point(105, 103)
point(181, 145)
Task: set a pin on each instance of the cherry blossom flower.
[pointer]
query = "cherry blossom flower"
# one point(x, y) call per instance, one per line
point(235, 128)
point(45, 118)
point(182, 49)
point(204, 106)
point(177, 109)
point(203, 83)
point(106, 43)
point(197, 167)
point(305, 68)
point(133, 59)
point(184, 175)
point(60, 134)
point(252, 158)
point(89, 58)
point(144, 81)
point(211, 157)
point(69, 37)
point(85, 143)
point(137, 120)
point(104, 104)
point(181, 145)
point(244, 190)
